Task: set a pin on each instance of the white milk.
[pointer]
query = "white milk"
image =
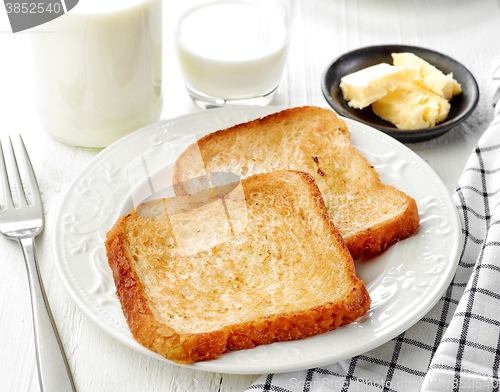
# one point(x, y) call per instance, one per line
point(232, 51)
point(98, 70)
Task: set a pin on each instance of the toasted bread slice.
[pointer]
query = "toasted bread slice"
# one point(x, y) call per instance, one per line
point(370, 215)
point(277, 271)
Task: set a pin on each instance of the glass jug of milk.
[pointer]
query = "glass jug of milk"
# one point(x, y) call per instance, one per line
point(232, 52)
point(98, 70)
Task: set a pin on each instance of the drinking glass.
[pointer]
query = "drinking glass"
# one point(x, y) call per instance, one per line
point(232, 52)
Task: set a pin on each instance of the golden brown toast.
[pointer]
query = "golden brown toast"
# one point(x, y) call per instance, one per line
point(370, 215)
point(277, 269)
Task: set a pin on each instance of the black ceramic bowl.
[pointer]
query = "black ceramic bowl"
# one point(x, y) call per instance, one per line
point(462, 105)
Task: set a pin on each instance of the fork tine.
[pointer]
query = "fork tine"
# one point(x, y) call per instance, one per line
point(21, 196)
point(7, 196)
point(31, 177)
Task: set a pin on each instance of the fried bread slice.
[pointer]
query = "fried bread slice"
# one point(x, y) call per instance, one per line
point(370, 215)
point(275, 269)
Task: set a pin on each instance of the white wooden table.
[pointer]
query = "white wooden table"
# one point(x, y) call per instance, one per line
point(468, 31)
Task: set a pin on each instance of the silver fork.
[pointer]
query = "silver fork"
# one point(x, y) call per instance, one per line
point(23, 221)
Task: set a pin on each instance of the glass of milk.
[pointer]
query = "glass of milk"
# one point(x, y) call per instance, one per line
point(232, 52)
point(98, 70)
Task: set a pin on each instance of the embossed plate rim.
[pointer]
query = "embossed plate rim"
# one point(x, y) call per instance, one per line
point(390, 278)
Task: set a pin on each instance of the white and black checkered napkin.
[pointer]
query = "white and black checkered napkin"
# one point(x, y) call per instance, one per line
point(456, 346)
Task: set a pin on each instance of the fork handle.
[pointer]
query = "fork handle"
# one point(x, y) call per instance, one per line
point(53, 369)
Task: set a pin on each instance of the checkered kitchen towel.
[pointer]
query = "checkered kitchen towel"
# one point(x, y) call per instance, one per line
point(456, 346)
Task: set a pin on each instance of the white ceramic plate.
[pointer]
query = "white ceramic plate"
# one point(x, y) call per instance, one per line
point(404, 282)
